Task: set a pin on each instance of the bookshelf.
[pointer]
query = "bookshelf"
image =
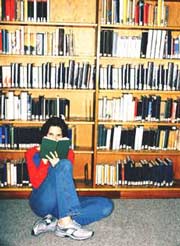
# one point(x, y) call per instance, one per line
point(87, 36)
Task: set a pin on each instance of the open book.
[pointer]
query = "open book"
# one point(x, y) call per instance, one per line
point(61, 147)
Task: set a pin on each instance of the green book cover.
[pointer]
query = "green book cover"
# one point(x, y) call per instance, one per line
point(61, 147)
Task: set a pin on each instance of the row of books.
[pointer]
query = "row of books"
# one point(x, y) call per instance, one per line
point(12, 137)
point(157, 173)
point(14, 173)
point(148, 76)
point(149, 44)
point(73, 75)
point(23, 41)
point(19, 137)
point(138, 138)
point(134, 12)
point(24, 10)
point(146, 108)
point(25, 107)
point(81, 75)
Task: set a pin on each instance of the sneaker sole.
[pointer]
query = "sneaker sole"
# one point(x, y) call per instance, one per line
point(61, 234)
point(40, 232)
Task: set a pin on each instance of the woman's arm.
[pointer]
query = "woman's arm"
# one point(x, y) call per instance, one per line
point(38, 173)
point(70, 156)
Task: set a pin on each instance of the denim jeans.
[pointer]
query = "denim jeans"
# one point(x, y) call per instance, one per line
point(57, 196)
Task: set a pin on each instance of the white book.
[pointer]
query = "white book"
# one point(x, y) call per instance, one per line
point(116, 109)
point(106, 173)
point(114, 78)
point(22, 40)
point(6, 76)
point(108, 138)
point(115, 44)
point(136, 138)
point(109, 109)
point(132, 77)
point(120, 77)
point(24, 105)
point(121, 11)
point(101, 77)
point(16, 107)
point(23, 80)
point(162, 45)
point(9, 105)
point(12, 75)
point(116, 137)
point(48, 10)
point(149, 43)
point(11, 43)
point(91, 80)
point(104, 107)
point(2, 105)
point(154, 41)
point(100, 109)
point(8, 164)
point(39, 72)
point(18, 41)
point(34, 77)
point(53, 77)
point(158, 44)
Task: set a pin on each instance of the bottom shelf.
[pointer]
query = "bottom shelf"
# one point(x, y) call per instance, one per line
point(123, 192)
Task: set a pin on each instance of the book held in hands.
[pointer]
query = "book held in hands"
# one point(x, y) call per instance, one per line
point(61, 147)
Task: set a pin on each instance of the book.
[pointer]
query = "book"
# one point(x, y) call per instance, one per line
point(61, 147)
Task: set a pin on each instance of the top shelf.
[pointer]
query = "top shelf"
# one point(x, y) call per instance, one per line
point(63, 24)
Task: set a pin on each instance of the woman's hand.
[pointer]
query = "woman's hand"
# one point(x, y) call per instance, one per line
point(53, 158)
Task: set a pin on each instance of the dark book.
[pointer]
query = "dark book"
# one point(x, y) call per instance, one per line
point(108, 42)
point(44, 10)
point(61, 42)
point(141, 12)
point(103, 42)
point(144, 41)
point(169, 43)
point(64, 107)
point(25, 176)
point(61, 147)
point(170, 75)
point(30, 10)
point(39, 10)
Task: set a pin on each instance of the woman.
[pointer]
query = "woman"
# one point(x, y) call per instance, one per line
point(54, 195)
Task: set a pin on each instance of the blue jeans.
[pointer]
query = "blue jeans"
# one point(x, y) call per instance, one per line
point(57, 196)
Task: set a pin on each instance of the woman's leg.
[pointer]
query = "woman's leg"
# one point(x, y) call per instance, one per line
point(57, 194)
point(93, 209)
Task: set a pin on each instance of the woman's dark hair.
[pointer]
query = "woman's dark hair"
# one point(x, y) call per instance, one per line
point(54, 121)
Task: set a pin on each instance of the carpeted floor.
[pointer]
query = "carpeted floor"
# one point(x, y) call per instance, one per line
point(133, 223)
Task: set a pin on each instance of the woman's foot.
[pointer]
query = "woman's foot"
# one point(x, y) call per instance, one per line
point(46, 224)
point(73, 230)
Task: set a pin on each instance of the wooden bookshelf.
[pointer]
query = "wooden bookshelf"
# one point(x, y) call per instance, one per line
point(85, 20)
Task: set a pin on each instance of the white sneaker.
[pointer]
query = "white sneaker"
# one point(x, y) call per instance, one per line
point(46, 224)
point(74, 231)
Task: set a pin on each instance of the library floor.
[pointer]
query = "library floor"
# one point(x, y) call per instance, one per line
point(150, 222)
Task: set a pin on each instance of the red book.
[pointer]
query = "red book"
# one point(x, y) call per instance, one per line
point(122, 173)
point(145, 16)
point(8, 9)
point(12, 10)
point(0, 41)
point(136, 16)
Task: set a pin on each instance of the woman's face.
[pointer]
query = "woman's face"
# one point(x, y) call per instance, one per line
point(54, 133)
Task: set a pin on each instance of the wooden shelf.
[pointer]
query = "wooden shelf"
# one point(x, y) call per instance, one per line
point(84, 19)
point(120, 192)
